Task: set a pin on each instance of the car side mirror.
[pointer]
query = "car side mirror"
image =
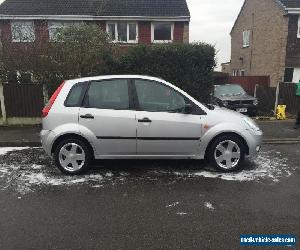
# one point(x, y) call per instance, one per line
point(188, 108)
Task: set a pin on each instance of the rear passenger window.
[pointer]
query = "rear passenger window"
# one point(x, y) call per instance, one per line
point(73, 99)
point(108, 94)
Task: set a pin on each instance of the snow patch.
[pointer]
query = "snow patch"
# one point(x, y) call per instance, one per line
point(267, 166)
point(25, 171)
point(209, 206)
point(4, 151)
point(181, 213)
point(173, 204)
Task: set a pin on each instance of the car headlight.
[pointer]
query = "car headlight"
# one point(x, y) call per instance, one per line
point(251, 124)
point(255, 102)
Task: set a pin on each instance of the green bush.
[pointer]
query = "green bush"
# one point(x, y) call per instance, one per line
point(188, 66)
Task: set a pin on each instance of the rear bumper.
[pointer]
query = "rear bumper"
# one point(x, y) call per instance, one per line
point(47, 139)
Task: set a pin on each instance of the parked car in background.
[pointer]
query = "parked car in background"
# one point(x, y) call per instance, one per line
point(234, 97)
point(140, 117)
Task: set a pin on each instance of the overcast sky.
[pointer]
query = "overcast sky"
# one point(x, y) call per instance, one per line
point(211, 22)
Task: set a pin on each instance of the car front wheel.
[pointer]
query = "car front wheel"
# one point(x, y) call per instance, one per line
point(227, 153)
point(72, 157)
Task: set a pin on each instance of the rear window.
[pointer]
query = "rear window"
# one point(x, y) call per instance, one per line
point(75, 94)
point(108, 94)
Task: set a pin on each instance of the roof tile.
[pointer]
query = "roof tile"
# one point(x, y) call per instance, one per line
point(96, 7)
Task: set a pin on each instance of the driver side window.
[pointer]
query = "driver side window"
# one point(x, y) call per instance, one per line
point(156, 97)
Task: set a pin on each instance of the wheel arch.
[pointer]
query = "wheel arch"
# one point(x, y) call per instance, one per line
point(241, 138)
point(72, 136)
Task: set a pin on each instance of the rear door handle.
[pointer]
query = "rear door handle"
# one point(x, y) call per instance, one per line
point(87, 116)
point(145, 120)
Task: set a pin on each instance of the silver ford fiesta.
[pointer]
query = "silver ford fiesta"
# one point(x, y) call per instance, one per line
point(141, 117)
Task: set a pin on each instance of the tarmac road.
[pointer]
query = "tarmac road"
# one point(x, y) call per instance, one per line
point(146, 204)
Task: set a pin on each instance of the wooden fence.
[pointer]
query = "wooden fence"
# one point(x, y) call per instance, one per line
point(23, 100)
point(266, 100)
point(249, 82)
point(267, 97)
point(287, 96)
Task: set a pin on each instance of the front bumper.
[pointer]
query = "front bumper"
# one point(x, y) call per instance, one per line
point(254, 141)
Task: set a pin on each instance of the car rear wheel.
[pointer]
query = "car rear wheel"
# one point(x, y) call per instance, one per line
point(227, 153)
point(72, 157)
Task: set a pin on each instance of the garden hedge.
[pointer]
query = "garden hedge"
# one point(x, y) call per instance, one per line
point(188, 66)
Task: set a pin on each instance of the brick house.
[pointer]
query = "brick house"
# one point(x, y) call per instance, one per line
point(265, 40)
point(127, 21)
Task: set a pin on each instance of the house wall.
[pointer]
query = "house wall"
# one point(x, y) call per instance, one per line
point(181, 32)
point(293, 44)
point(144, 36)
point(268, 39)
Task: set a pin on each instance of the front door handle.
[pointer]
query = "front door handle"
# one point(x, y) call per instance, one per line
point(145, 120)
point(87, 116)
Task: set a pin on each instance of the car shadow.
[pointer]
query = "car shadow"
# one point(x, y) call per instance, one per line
point(142, 166)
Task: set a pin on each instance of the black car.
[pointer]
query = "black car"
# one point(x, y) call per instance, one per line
point(233, 96)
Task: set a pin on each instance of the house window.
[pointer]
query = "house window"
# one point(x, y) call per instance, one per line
point(122, 32)
point(162, 32)
point(242, 72)
point(22, 31)
point(54, 26)
point(246, 38)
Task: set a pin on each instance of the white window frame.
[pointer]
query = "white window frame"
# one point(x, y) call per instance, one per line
point(31, 28)
point(54, 25)
point(116, 40)
point(298, 31)
point(246, 38)
point(162, 41)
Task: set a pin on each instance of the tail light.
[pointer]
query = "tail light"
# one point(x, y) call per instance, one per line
point(48, 106)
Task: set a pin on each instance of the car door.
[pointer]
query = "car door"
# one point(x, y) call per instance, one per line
point(164, 128)
point(107, 116)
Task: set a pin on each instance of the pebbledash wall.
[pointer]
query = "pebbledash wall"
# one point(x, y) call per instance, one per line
point(180, 33)
point(266, 53)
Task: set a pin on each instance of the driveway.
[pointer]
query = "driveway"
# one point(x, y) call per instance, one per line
point(146, 204)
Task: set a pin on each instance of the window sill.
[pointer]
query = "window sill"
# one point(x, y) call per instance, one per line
point(162, 41)
point(125, 43)
point(14, 41)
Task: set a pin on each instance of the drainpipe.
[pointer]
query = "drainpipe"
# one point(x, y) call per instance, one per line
point(277, 98)
point(3, 110)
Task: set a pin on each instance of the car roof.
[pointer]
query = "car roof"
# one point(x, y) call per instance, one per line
point(105, 77)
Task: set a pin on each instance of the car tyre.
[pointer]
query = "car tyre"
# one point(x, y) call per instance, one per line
point(72, 157)
point(226, 153)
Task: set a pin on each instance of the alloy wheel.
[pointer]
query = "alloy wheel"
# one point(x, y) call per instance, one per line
point(227, 154)
point(72, 157)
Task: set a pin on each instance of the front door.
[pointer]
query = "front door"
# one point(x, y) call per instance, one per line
point(163, 127)
point(107, 117)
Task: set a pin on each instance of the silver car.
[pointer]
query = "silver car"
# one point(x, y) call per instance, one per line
point(141, 117)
